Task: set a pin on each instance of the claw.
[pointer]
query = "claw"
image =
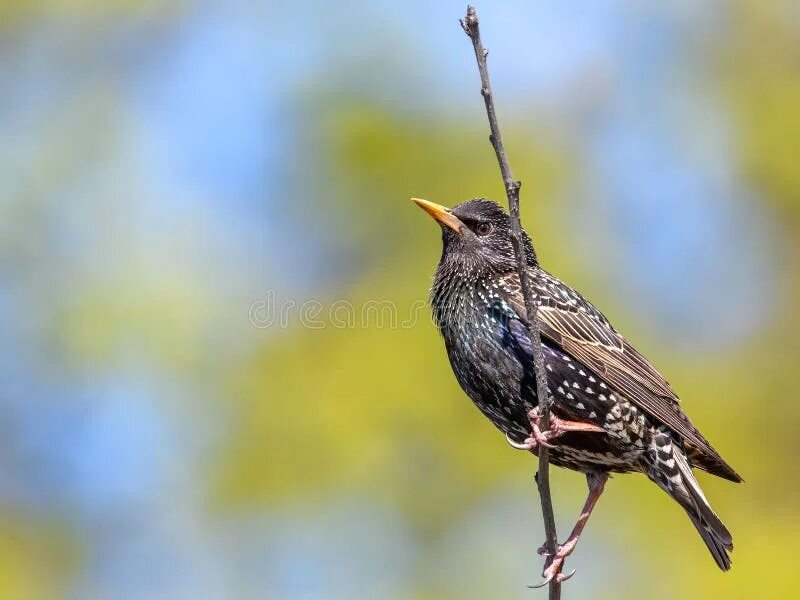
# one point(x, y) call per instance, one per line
point(553, 571)
point(542, 584)
point(526, 445)
point(561, 577)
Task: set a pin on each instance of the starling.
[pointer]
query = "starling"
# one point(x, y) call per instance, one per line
point(612, 411)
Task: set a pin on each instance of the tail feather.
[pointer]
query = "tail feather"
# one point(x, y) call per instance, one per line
point(711, 529)
point(717, 545)
point(669, 468)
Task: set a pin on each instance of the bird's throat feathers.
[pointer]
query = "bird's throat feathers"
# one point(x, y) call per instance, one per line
point(474, 258)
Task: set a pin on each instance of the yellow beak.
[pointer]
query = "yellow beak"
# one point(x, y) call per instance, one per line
point(440, 213)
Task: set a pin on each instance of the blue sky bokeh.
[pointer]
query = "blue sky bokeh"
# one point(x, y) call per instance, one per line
point(157, 177)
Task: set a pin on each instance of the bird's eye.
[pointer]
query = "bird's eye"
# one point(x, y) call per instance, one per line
point(483, 229)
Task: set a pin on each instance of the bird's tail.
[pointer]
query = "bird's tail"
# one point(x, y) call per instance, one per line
point(677, 479)
point(711, 529)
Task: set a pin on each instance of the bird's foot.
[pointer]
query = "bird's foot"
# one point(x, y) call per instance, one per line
point(557, 427)
point(538, 438)
point(554, 564)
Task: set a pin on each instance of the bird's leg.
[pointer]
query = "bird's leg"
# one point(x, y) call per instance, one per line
point(557, 427)
point(555, 562)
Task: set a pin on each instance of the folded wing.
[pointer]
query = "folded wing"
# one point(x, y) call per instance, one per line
point(577, 327)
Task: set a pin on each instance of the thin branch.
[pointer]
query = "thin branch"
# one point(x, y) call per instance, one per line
point(470, 26)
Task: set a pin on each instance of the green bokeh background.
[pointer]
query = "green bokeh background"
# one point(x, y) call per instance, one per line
point(171, 172)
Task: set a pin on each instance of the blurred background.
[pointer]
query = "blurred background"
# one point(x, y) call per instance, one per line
point(218, 377)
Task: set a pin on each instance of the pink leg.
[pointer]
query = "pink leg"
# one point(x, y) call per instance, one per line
point(555, 563)
point(557, 428)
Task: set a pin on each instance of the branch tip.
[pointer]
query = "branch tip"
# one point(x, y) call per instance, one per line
point(470, 22)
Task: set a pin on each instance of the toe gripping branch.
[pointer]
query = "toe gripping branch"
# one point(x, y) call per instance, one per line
point(554, 564)
point(558, 427)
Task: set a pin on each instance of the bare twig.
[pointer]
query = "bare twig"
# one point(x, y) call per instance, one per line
point(470, 26)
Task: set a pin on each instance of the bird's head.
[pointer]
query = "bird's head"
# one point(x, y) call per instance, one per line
point(476, 237)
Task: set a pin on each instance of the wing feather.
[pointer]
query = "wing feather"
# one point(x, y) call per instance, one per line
point(570, 321)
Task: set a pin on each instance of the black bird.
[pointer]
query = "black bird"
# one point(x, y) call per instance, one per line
point(612, 410)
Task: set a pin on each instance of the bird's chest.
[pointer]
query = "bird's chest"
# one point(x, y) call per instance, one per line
point(487, 361)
